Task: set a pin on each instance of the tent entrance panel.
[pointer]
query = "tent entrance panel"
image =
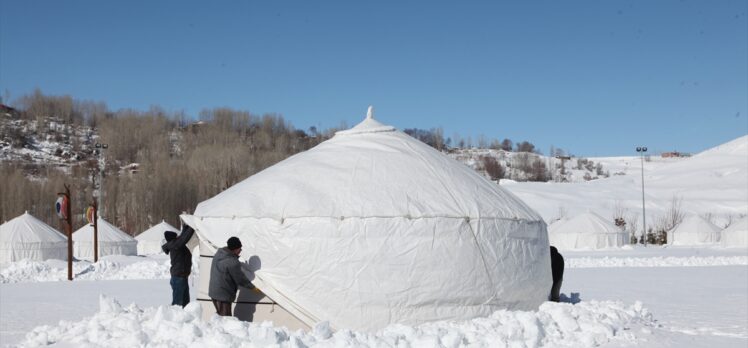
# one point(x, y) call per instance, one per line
point(249, 305)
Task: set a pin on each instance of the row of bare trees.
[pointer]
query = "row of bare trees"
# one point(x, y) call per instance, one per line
point(157, 164)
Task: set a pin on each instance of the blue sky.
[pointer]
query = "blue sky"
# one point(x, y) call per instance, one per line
point(592, 77)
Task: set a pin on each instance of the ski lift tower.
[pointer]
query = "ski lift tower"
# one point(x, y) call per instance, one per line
point(563, 166)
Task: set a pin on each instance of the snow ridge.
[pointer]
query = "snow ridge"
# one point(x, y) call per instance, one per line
point(35, 271)
point(659, 261)
point(584, 324)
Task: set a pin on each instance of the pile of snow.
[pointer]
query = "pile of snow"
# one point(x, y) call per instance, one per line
point(693, 230)
point(105, 269)
point(151, 240)
point(736, 235)
point(692, 261)
point(585, 324)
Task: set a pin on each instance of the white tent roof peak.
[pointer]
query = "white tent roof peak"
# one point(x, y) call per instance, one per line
point(26, 237)
point(368, 125)
point(106, 232)
point(28, 229)
point(150, 240)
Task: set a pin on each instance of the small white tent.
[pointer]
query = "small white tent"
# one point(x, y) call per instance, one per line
point(151, 240)
point(693, 230)
point(735, 235)
point(112, 241)
point(586, 231)
point(27, 237)
point(374, 227)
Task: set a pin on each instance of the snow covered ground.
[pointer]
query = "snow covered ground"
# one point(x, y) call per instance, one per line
point(633, 296)
point(652, 297)
point(108, 268)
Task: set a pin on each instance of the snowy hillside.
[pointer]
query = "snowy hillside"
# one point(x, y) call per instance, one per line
point(526, 166)
point(713, 183)
point(59, 143)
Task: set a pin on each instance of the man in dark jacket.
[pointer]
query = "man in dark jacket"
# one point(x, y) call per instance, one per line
point(181, 264)
point(226, 275)
point(557, 269)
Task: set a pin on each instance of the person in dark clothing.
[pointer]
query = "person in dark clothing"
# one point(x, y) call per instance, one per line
point(181, 264)
point(226, 276)
point(557, 269)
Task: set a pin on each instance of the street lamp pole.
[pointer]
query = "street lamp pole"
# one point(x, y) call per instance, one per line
point(100, 152)
point(641, 150)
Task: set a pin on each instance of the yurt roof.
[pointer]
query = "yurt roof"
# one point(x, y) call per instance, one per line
point(106, 231)
point(156, 232)
point(587, 222)
point(28, 229)
point(371, 170)
point(695, 224)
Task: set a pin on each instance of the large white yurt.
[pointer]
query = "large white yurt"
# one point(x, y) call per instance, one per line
point(151, 240)
point(735, 235)
point(693, 230)
point(373, 227)
point(27, 237)
point(112, 241)
point(586, 231)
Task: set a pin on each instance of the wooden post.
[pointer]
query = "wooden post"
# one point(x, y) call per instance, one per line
point(68, 229)
point(96, 230)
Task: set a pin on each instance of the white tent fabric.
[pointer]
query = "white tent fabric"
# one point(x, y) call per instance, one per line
point(693, 230)
point(374, 227)
point(586, 231)
point(27, 237)
point(112, 241)
point(735, 235)
point(151, 240)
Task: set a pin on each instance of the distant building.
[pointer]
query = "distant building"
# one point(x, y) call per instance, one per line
point(675, 154)
point(6, 109)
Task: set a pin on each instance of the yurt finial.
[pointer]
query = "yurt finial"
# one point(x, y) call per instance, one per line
point(370, 112)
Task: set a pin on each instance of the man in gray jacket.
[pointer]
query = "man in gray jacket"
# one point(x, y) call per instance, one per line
point(226, 275)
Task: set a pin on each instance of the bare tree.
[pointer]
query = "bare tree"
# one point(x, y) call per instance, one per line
point(619, 214)
point(492, 167)
point(506, 145)
point(664, 223)
point(525, 146)
point(482, 142)
point(539, 171)
point(632, 226)
point(675, 214)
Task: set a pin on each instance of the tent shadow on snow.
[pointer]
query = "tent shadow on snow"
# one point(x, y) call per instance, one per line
point(248, 300)
point(373, 227)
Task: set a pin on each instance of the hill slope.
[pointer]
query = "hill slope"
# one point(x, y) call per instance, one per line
point(712, 183)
